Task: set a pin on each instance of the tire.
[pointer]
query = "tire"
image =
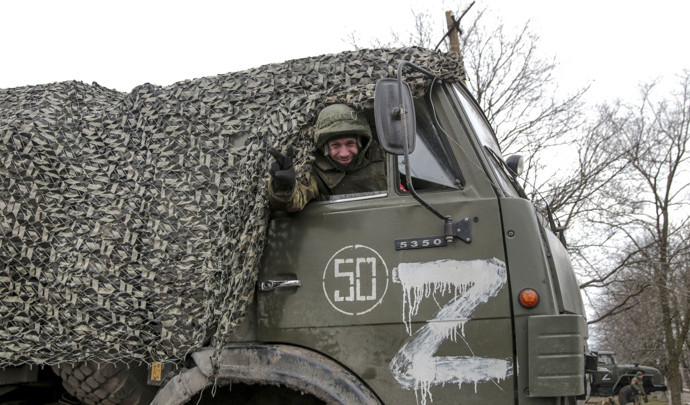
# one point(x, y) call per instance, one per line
point(626, 395)
point(106, 383)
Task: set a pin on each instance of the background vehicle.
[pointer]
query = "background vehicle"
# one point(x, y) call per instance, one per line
point(611, 376)
point(452, 288)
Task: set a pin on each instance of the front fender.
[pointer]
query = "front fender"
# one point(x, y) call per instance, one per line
point(622, 382)
point(293, 367)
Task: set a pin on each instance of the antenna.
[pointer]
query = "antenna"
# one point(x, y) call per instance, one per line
point(453, 29)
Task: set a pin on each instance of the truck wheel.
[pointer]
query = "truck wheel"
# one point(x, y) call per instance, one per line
point(626, 395)
point(106, 383)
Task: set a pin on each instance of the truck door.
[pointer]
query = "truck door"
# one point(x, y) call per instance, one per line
point(381, 291)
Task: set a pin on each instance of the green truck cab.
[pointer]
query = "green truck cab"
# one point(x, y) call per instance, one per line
point(448, 286)
point(403, 306)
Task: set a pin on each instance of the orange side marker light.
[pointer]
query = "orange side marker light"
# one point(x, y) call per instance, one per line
point(528, 298)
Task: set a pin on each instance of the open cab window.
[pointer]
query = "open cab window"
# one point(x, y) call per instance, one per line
point(380, 154)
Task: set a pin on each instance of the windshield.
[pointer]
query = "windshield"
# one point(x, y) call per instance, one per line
point(606, 359)
point(485, 135)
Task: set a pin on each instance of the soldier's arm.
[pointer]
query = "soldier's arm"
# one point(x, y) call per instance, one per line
point(294, 201)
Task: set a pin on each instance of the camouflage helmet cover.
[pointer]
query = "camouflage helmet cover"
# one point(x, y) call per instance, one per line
point(639, 373)
point(339, 120)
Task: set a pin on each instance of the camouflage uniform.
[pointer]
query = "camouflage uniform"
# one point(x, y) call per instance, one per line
point(638, 387)
point(365, 173)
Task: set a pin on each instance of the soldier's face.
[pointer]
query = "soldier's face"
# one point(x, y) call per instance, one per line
point(343, 150)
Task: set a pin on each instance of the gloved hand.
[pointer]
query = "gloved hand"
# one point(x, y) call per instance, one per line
point(282, 171)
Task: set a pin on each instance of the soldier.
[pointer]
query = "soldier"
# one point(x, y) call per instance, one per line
point(347, 161)
point(638, 388)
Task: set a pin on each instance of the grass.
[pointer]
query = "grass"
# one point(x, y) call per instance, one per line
point(652, 401)
point(656, 401)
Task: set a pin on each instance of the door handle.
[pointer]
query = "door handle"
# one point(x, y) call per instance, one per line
point(270, 285)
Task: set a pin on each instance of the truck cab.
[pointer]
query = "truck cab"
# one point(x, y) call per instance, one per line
point(447, 286)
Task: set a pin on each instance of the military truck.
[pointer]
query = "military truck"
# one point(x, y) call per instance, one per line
point(447, 286)
point(611, 378)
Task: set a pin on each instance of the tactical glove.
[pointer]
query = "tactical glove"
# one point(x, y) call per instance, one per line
point(282, 171)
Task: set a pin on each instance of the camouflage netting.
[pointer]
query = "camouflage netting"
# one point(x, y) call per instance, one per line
point(132, 225)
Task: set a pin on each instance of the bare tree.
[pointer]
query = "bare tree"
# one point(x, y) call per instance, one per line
point(513, 84)
point(626, 326)
point(645, 212)
point(516, 87)
point(421, 35)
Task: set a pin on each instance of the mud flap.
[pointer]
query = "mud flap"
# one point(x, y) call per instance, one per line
point(556, 355)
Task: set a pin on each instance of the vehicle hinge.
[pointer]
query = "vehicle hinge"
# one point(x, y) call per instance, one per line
point(463, 230)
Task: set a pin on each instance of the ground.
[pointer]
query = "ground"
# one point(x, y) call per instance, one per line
point(653, 399)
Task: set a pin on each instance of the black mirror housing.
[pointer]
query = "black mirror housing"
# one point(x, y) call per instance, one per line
point(395, 117)
point(516, 164)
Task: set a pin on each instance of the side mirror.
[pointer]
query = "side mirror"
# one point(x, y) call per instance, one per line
point(516, 164)
point(395, 118)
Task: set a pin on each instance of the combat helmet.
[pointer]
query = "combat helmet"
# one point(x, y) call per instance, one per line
point(340, 120)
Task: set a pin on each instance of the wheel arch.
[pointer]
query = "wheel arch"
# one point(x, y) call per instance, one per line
point(290, 366)
point(624, 379)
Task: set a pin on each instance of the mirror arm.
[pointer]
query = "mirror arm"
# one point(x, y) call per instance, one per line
point(410, 187)
point(404, 63)
point(448, 222)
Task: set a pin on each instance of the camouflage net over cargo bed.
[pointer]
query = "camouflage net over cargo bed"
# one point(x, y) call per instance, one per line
point(132, 224)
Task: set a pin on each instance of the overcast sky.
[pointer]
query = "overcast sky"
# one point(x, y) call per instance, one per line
point(120, 44)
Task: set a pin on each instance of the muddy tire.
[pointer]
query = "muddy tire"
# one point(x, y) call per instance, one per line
point(106, 383)
point(626, 395)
